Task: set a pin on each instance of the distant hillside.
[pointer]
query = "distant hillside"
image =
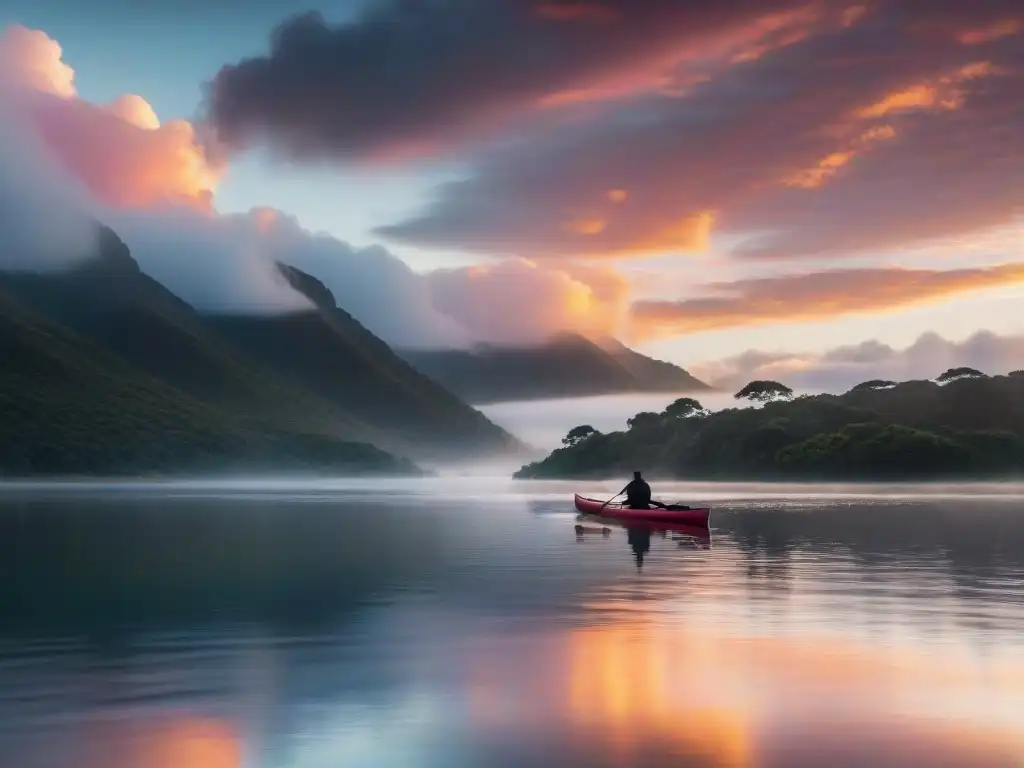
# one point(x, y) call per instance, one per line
point(654, 375)
point(72, 408)
point(240, 385)
point(970, 427)
point(327, 352)
point(567, 366)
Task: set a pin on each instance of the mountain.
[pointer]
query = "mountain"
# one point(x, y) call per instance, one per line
point(915, 430)
point(71, 407)
point(568, 365)
point(111, 301)
point(654, 375)
point(327, 352)
point(317, 377)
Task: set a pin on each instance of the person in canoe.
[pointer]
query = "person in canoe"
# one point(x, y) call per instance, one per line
point(638, 494)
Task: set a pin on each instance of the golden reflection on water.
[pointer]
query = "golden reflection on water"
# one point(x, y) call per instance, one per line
point(170, 742)
point(625, 685)
point(751, 701)
point(197, 744)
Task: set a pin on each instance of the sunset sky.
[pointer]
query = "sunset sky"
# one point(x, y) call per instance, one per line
point(807, 189)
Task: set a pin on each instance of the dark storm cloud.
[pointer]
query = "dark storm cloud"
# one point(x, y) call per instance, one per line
point(416, 76)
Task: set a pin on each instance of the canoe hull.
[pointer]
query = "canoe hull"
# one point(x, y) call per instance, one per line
point(695, 517)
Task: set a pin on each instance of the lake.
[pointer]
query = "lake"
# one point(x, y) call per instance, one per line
point(462, 622)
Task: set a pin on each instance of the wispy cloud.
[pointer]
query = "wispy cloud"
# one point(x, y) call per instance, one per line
point(841, 368)
point(812, 296)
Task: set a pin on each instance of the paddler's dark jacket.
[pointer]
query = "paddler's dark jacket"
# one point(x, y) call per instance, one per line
point(638, 494)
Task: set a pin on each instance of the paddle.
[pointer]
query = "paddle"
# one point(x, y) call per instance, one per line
point(613, 498)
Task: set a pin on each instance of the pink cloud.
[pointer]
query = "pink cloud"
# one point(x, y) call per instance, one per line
point(67, 163)
point(120, 151)
point(885, 131)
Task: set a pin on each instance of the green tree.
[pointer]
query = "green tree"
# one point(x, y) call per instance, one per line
point(877, 450)
point(577, 435)
point(644, 421)
point(684, 408)
point(960, 373)
point(873, 384)
point(764, 391)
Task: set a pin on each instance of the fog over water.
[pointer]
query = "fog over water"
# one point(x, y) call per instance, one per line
point(543, 423)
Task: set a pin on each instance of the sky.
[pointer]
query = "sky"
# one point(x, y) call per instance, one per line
point(715, 183)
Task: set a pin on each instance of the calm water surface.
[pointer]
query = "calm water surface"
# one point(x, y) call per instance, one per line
point(464, 623)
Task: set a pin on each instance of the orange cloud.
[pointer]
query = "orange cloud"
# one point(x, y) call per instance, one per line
point(812, 296)
point(921, 96)
point(618, 195)
point(996, 31)
point(689, 233)
point(939, 94)
point(755, 52)
point(490, 299)
point(831, 164)
point(587, 226)
point(816, 176)
point(120, 151)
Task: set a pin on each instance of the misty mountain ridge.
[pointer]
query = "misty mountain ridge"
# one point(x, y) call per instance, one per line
point(329, 353)
point(317, 376)
point(112, 302)
point(566, 365)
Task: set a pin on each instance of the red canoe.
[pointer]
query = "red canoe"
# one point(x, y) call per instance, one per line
point(617, 511)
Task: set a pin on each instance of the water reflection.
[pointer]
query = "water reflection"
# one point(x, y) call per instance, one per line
point(639, 535)
point(167, 742)
point(401, 631)
point(97, 564)
point(639, 538)
point(636, 688)
point(635, 691)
